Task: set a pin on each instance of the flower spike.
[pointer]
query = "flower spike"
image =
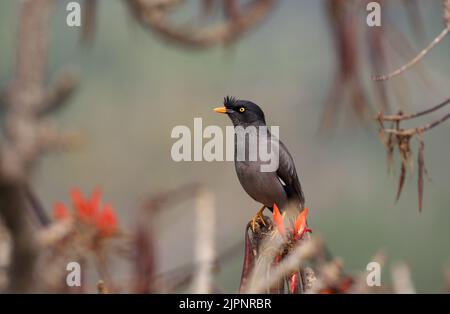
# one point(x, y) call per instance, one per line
point(107, 221)
point(278, 220)
point(301, 226)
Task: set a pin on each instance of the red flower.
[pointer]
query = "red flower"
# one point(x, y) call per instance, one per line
point(278, 220)
point(60, 211)
point(106, 221)
point(300, 226)
point(86, 209)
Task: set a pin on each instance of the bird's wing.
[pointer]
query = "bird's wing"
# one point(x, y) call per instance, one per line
point(287, 173)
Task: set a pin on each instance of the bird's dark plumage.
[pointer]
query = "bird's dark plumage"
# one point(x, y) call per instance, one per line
point(282, 186)
point(252, 115)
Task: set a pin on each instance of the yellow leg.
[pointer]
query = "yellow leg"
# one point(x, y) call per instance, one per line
point(260, 216)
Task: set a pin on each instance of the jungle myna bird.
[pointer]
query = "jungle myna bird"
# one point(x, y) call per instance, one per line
point(280, 187)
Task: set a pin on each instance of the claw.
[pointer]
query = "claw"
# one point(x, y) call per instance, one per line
point(259, 216)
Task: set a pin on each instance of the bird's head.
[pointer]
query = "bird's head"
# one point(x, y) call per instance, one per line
point(242, 112)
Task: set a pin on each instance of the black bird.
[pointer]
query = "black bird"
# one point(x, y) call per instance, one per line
point(280, 187)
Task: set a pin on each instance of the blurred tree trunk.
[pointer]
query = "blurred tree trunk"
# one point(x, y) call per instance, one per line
point(22, 136)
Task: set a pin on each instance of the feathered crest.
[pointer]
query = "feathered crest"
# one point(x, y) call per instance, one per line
point(229, 101)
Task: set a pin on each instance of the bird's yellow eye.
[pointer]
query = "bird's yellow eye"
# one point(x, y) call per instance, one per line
point(242, 109)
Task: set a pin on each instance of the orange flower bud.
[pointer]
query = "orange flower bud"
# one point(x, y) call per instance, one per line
point(106, 221)
point(86, 209)
point(300, 226)
point(278, 220)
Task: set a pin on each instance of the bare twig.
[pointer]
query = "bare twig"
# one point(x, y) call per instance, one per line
point(424, 52)
point(416, 59)
point(418, 130)
point(412, 131)
point(401, 116)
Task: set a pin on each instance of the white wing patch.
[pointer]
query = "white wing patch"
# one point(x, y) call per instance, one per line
point(282, 182)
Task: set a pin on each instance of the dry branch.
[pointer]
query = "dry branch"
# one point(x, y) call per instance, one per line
point(401, 138)
point(416, 59)
point(154, 16)
point(401, 116)
point(424, 52)
point(418, 130)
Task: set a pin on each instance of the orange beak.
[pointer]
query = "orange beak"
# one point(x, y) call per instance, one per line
point(220, 110)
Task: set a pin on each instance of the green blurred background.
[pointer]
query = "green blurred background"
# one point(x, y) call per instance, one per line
point(135, 88)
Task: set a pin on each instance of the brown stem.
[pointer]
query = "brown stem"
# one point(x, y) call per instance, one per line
point(401, 116)
point(416, 59)
point(154, 17)
point(411, 132)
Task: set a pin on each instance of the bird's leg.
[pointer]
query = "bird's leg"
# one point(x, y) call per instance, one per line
point(260, 216)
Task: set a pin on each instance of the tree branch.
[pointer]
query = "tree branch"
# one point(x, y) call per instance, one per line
point(416, 59)
point(401, 116)
point(23, 139)
point(424, 128)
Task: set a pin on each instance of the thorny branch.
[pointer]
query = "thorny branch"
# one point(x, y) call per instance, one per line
point(26, 133)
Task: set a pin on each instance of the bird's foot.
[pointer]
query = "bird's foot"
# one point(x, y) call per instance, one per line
point(258, 216)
